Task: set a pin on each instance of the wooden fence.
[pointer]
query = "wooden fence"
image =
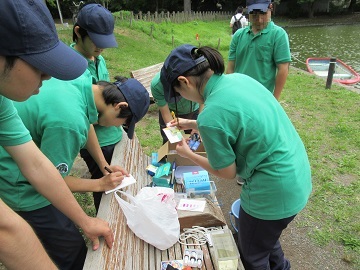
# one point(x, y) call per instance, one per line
point(175, 17)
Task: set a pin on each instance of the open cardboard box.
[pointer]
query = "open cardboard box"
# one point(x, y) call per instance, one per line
point(168, 150)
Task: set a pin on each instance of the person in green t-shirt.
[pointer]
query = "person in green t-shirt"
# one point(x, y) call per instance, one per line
point(261, 50)
point(92, 33)
point(31, 53)
point(60, 120)
point(246, 135)
point(183, 108)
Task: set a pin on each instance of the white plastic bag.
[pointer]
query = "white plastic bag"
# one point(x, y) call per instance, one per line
point(152, 216)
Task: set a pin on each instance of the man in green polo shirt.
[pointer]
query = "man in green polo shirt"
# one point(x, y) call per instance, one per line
point(59, 119)
point(261, 50)
point(30, 54)
point(92, 33)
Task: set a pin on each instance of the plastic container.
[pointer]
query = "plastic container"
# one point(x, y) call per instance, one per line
point(210, 194)
point(235, 208)
point(225, 250)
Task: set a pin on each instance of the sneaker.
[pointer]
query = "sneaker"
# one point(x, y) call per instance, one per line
point(240, 181)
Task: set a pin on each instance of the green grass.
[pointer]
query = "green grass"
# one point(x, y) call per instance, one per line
point(328, 121)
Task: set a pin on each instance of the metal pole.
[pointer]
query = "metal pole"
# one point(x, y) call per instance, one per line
point(330, 73)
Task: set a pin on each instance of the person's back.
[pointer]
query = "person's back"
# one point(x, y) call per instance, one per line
point(238, 21)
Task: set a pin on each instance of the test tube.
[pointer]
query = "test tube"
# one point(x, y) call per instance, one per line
point(186, 257)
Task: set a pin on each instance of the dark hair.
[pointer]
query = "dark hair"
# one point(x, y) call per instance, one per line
point(239, 10)
point(215, 62)
point(83, 33)
point(113, 95)
point(9, 64)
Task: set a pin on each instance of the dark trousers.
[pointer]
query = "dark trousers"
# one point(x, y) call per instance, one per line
point(94, 170)
point(193, 115)
point(259, 243)
point(59, 236)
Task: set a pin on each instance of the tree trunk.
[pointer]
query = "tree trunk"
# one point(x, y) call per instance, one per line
point(352, 6)
point(311, 6)
point(187, 5)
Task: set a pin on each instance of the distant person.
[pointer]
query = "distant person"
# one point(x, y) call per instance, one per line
point(29, 55)
point(184, 108)
point(92, 33)
point(245, 134)
point(261, 51)
point(59, 120)
point(238, 20)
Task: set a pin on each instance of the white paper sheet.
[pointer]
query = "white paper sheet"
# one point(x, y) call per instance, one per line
point(192, 205)
point(173, 134)
point(128, 180)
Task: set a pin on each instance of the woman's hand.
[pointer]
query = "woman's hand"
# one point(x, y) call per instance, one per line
point(183, 124)
point(111, 181)
point(183, 149)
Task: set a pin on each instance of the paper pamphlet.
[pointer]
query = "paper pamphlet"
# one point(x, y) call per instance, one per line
point(128, 180)
point(192, 205)
point(173, 134)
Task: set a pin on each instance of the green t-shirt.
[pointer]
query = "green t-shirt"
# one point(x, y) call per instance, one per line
point(184, 106)
point(99, 72)
point(58, 119)
point(255, 132)
point(12, 129)
point(258, 55)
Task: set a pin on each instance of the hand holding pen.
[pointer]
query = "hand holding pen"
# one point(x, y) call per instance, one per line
point(183, 124)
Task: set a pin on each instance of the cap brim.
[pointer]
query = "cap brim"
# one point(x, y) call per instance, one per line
point(262, 6)
point(103, 41)
point(60, 62)
point(131, 129)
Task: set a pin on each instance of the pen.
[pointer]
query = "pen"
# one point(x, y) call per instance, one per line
point(173, 174)
point(174, 117)
point(107, 169)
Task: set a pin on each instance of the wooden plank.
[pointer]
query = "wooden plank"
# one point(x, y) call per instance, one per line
point(129, 252)
point(145, 76)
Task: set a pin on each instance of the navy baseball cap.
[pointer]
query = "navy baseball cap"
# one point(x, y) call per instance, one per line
point(138, 99)
point(28, 32)
point(262, 5)
point(99, 23)
point(176, 64)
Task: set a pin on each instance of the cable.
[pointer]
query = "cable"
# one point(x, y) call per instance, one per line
point(198, 234)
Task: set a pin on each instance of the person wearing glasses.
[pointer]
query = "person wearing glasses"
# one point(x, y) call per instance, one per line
point(92, 33)
point(60, 120)
point(261, 50)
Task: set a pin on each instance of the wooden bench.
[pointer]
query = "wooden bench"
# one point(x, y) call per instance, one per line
point(145, 75)
point(130, 252)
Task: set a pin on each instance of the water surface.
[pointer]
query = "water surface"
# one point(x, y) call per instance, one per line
point(340, 41)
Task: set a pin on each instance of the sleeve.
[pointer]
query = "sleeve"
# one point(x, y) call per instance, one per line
point(12, 130)
point(233, 45)
point(157, 91)
point(282, 52)
point(61, 145)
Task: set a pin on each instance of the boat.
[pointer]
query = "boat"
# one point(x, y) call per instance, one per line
point(343, 73)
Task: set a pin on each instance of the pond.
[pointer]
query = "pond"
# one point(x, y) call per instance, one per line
point(340, 41)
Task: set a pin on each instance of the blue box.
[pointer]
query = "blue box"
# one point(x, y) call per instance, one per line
point(198, 181)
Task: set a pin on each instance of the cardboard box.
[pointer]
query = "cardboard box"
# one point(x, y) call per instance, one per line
point(168, 150)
